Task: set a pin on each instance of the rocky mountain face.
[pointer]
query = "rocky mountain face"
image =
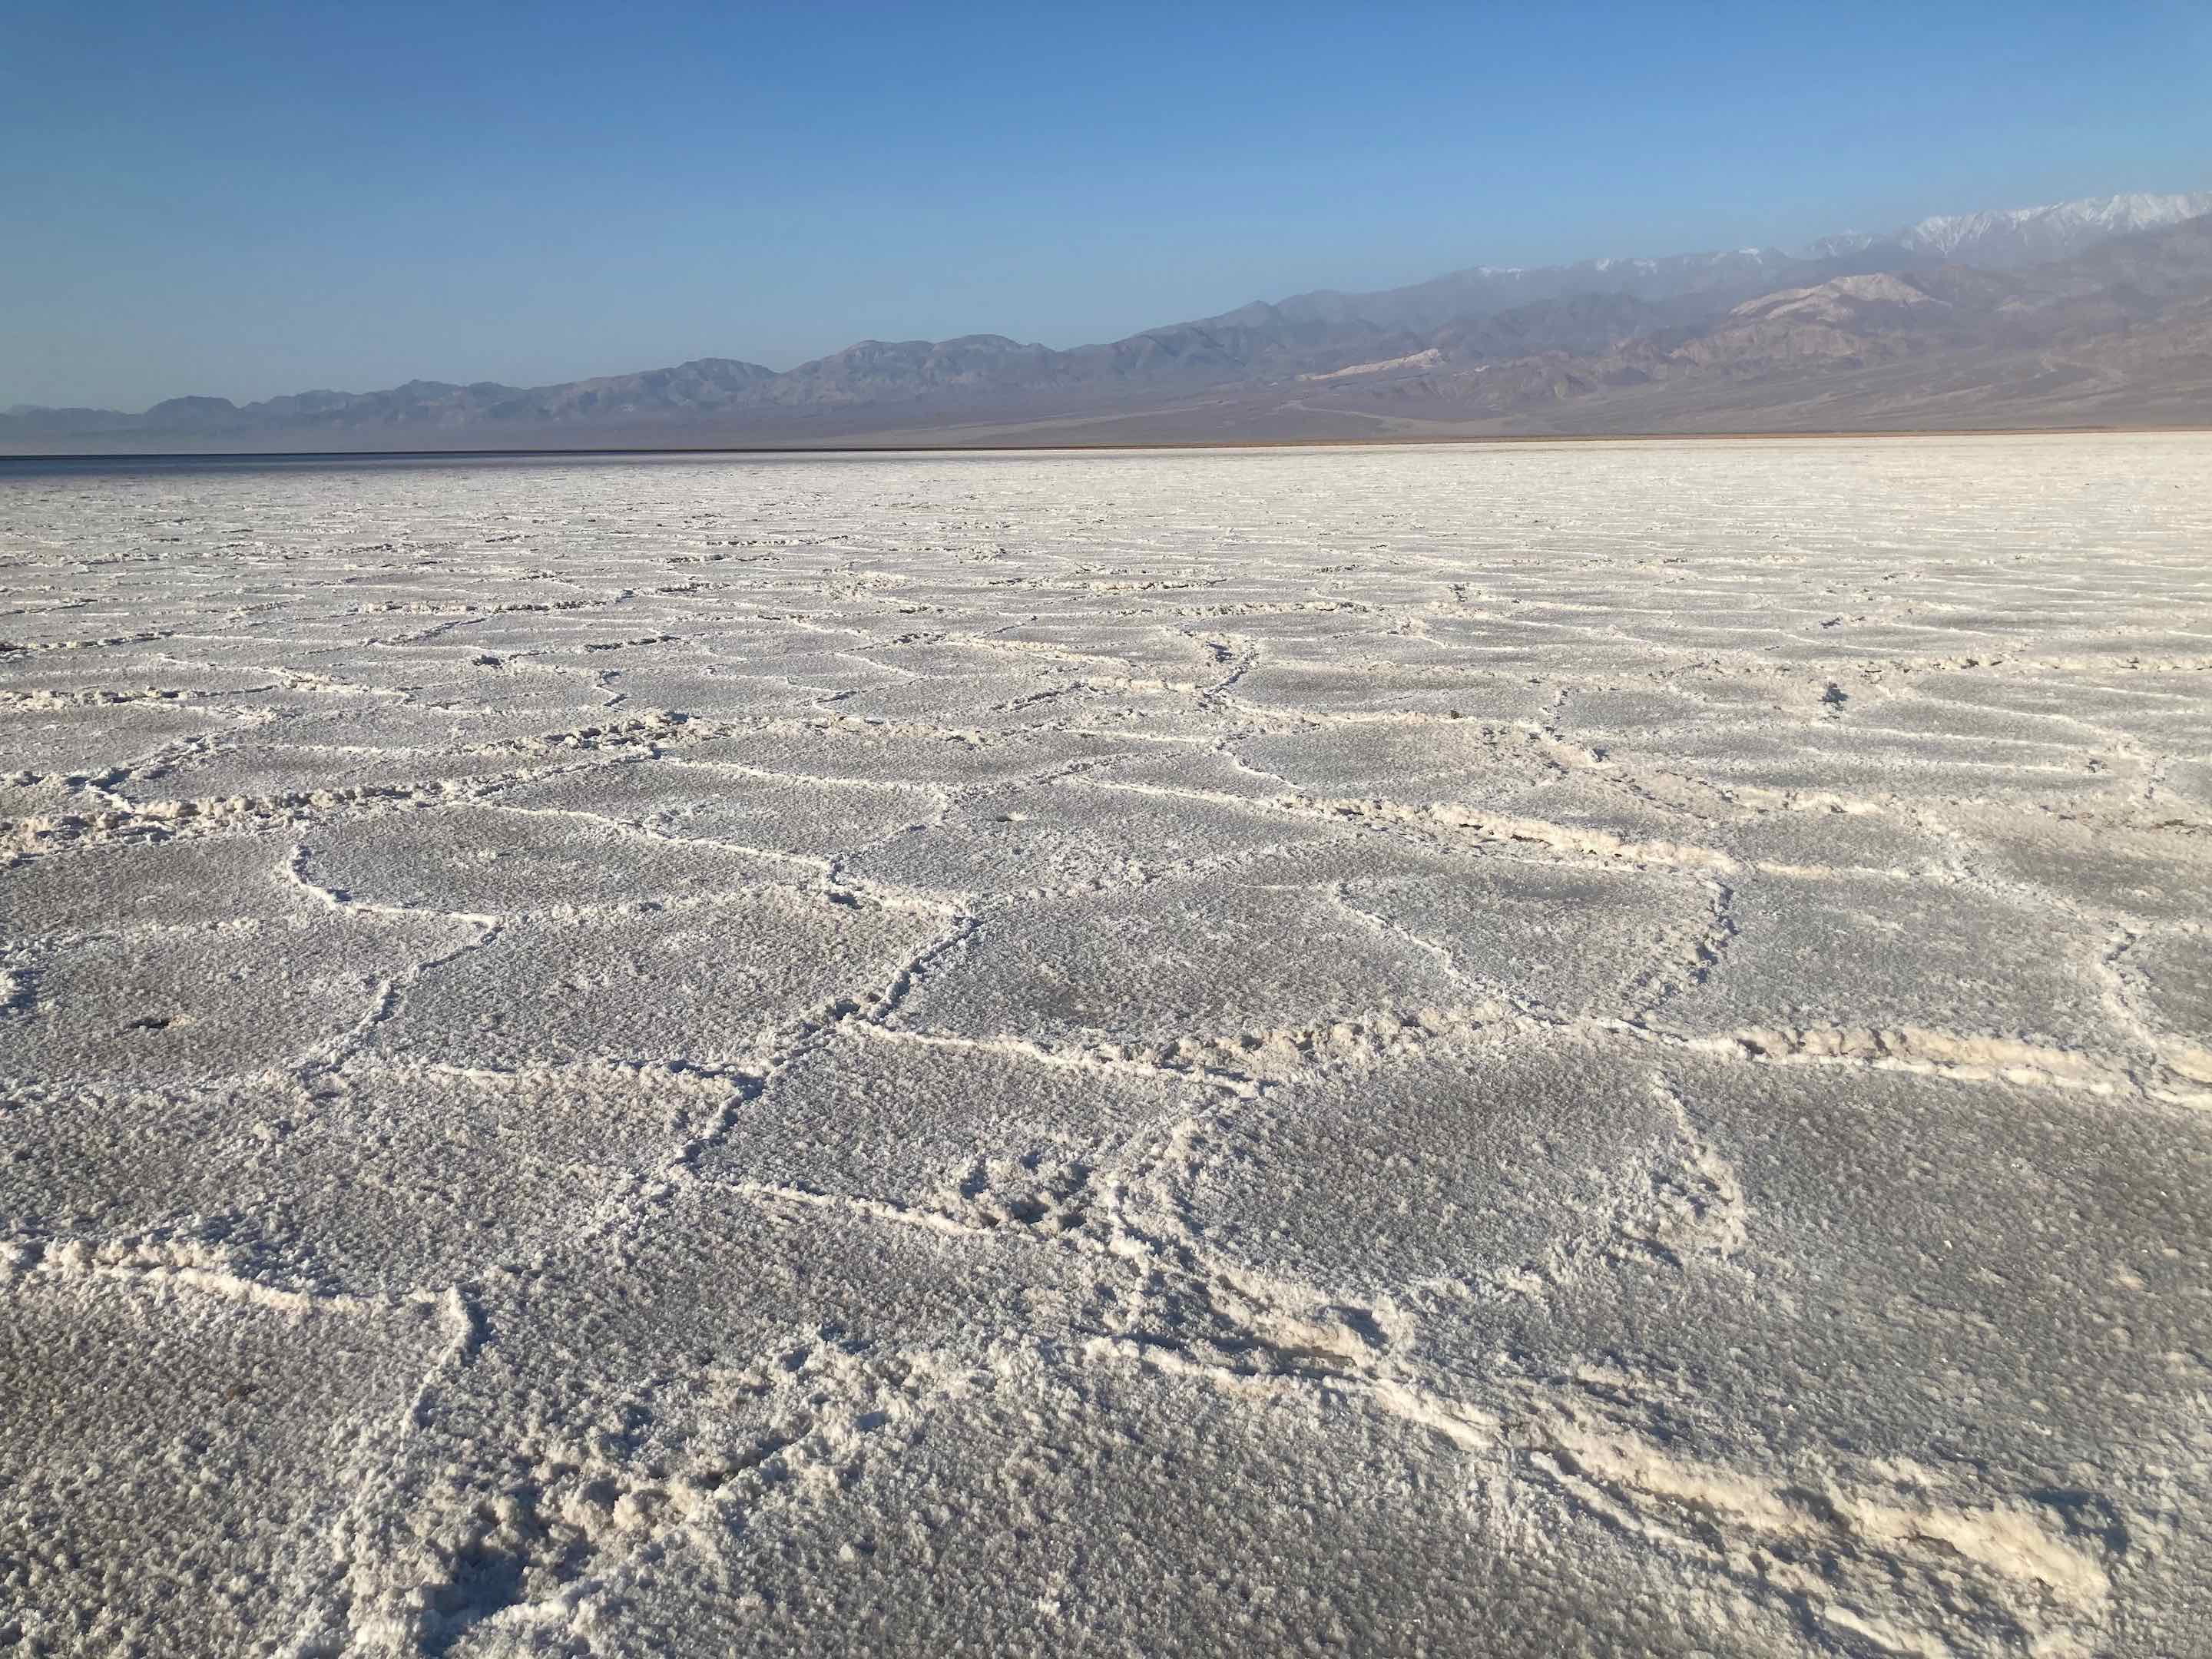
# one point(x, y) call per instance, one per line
point(2118, 332)
point(2024, 236)
point(1996, 240)
point(2120, 287)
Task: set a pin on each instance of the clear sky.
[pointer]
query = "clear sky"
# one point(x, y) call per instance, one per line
point(243, 199)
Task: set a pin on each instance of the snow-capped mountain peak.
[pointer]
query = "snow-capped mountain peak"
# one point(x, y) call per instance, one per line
point(2051, 231)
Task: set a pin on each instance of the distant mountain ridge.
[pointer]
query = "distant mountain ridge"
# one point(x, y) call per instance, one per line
point(2120, 333)
point(2031, 235)
point(1996, 240)
point(1484, 344)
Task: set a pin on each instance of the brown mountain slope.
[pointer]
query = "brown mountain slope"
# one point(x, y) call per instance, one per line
point(2116, 334)
point(2119, 334)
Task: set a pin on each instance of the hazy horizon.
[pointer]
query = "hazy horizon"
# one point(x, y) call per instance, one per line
point(783, 360)
point(268, 200)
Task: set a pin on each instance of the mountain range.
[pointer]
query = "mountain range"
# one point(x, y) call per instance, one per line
point(2086, 313)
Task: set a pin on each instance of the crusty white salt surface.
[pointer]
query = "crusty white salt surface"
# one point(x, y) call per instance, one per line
point(1597, 1049)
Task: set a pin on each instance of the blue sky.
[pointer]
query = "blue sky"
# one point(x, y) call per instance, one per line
point(246, 199)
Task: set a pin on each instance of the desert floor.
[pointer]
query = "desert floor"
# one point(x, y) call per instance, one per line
point(1580, 1049)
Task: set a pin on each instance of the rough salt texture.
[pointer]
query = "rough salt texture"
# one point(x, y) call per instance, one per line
point(1488, 1051)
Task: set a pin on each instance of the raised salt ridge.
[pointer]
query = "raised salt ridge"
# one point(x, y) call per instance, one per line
point(1510, 1050)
